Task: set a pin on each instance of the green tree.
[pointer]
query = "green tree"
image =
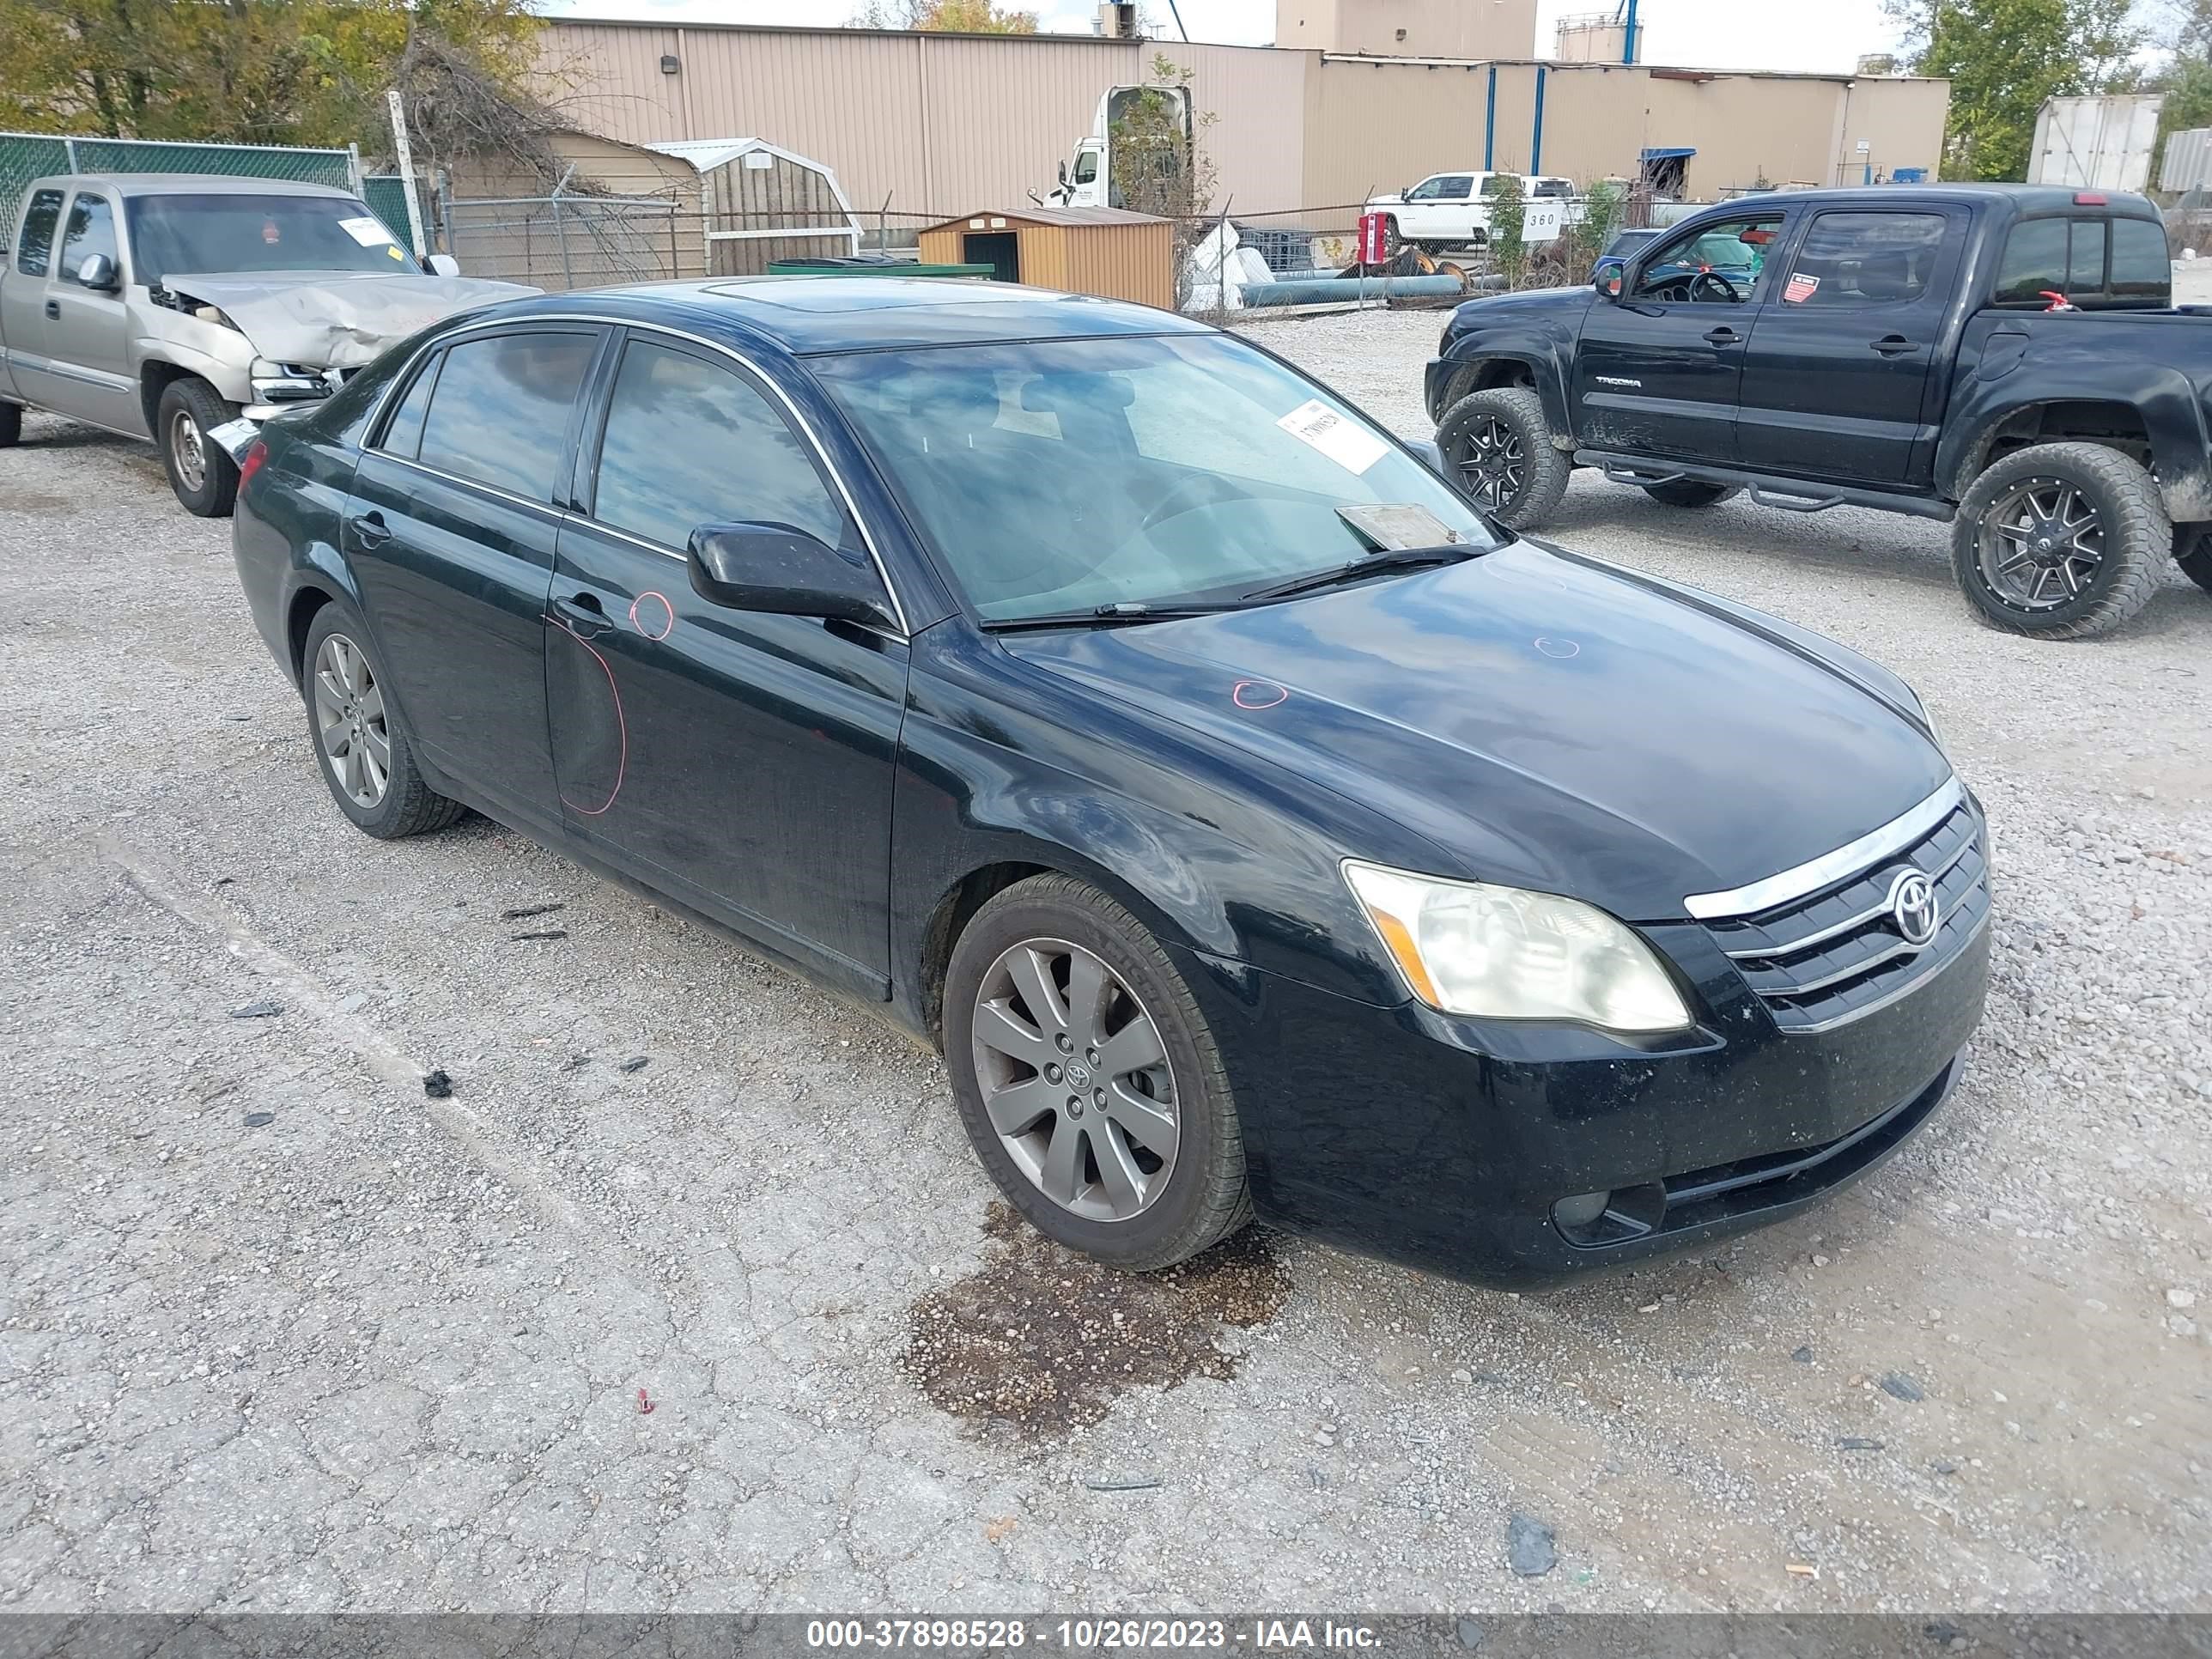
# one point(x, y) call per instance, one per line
point(2003, 58)
point(1508, 223)
point(944, 17)
point(1157, 165)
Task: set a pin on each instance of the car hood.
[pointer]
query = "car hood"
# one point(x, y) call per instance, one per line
point(1537, 721)
point(335, 319)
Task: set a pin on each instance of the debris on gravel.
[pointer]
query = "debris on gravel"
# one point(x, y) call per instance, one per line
point(1531, 1547)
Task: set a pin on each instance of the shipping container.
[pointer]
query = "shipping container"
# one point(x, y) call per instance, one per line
point(2095, 143)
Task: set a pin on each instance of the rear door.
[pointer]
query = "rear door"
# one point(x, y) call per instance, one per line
point(1658, 370)
point(1835, 380)
point(450, 531)
point(25, 329)
point(740, 761)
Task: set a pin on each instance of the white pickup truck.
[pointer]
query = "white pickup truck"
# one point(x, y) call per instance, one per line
point(1451, 210)
point(188, 308)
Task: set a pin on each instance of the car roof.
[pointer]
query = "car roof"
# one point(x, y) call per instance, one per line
point(2022, 199)
point(811, 315)
point(192, 184)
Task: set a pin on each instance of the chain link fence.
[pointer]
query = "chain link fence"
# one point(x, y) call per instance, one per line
point(27, 155)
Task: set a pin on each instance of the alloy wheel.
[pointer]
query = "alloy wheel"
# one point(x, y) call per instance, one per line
point(189, 450)
point(1076, 1079)
point(1493, 465)
point(2042, 542)
point(350, 716)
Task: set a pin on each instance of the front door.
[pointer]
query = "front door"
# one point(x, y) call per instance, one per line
point(451, 532)
point(1440, 209)
point(1657, 371)
point(1835, 382)
point(739, 762)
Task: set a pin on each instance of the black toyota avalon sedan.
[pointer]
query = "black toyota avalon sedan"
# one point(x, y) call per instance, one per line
point(1254, 828)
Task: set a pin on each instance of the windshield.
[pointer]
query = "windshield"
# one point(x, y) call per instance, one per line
point(216, 234)
point(1066, 475)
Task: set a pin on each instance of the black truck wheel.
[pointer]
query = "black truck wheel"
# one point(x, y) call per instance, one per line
point(1688, 492)
point(2192, 551)
point(1500, 446)
point(2061, 540)
point(11, 424)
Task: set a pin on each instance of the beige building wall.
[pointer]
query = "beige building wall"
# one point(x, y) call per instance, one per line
point(1409, 28)
point(1901, 121)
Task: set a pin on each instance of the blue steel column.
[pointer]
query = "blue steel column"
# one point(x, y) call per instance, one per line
point(1490, 121)
point(1536, 139)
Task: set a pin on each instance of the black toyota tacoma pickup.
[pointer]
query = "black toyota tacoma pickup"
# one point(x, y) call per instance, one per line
point(2006, 357)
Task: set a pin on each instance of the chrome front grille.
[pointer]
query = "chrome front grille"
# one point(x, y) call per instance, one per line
point(1840, 951)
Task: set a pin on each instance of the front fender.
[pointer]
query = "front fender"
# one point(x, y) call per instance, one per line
point(1544, 344)
point(222, 356)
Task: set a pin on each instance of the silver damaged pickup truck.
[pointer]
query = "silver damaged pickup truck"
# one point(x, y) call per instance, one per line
point(189, 309)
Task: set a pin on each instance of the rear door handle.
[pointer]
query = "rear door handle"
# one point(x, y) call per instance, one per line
point(369, 529)
point(53, 311)
point(581, 614)
point(1722, 335)
point(1893, 345)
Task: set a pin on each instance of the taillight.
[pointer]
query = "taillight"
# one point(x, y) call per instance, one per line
point(251, 464)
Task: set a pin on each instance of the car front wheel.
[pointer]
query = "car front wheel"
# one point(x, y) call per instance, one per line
point(2061, 540)
point(1499, 445)
point(201, 471)
point(361, 747)
point(1088, 1079)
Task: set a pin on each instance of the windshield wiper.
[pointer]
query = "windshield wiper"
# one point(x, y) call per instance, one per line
point(1103, 615)
point(1375, 564)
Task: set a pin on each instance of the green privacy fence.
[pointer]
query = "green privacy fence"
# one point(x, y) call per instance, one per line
point(388, 200)
point(27, 155)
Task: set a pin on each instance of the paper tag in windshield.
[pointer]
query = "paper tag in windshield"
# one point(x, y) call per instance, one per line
point(1350, 446)
point(369, 232)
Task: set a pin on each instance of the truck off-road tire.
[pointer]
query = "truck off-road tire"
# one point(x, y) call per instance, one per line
point(2061, 540)
point(2192, 551)
point(1088, 1079)
point(1688, 492)
point(11, 424)
point(200, 469)
point(1499, 446)
point(361, 748)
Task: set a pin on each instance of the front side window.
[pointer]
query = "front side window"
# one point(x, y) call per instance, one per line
point(1866, 258)
point(1086, 166)
point(1426, 191)
point(1065, 475)
point(201, 234)
point(91, 230)
point(36, 249)
point(1713, 264)
point(690, 442)
point(498, 414)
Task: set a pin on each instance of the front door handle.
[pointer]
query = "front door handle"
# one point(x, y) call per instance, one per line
point(581, 614)
point(370, 530)
point(53, 311)
point(1722, 335)
point(1893, 345)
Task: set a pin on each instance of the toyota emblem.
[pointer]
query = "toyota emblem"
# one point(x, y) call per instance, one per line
point(1912, 903)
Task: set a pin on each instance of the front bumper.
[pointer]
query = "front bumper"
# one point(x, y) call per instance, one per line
point(1445, 1144)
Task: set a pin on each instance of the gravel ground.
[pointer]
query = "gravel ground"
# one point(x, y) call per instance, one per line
point(280, 1331)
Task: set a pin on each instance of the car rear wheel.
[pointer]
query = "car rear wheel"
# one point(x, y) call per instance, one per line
point(1500, 447)
point(2061, 540)
point(361, 746)
point(1688, 492)
point(201, 471)
point(2192, 551)
point(11, 424)
point(1088, 1079)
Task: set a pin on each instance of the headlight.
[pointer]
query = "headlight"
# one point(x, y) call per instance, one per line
point(1467, 947)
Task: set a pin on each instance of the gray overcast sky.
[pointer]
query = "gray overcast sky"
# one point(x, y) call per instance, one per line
point(1809, 34)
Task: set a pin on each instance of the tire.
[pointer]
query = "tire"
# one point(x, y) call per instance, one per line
point(1688, 492)
point(204, 477)
point(1392, 239)
point(1500, 446)
point(11, 425)
point(2192, 551)
point(1194, 1192)
point(405, 805)
point(2021, 569)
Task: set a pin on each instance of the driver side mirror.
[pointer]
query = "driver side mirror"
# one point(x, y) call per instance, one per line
point(1609, 277)
point(97, 272)
point(1063, 175)
point(779, 571)
point(443, 264)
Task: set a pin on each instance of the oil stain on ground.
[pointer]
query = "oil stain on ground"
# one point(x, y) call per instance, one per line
point(1044, 1340)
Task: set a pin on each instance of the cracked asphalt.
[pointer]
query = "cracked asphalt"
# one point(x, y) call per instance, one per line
point(280, 1331)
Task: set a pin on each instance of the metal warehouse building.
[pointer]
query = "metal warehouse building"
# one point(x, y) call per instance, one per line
point(1363, 95)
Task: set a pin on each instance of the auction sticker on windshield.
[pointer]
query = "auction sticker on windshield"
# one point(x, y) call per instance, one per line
point(1315, 424)
point(369, 232)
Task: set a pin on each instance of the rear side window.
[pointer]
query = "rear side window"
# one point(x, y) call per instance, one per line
point(689, 442)
point(2142, 270)
point(91, 230)
point(1866, 258)
point(36, 250)
point(402, 433)
point(498, 413)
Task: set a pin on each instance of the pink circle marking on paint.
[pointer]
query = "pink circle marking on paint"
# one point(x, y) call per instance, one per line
point(668, 624)
point(1258, 694)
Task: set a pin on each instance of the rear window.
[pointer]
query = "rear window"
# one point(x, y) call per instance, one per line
point(498, 413)
point(2094, 262)
point(37, 248)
